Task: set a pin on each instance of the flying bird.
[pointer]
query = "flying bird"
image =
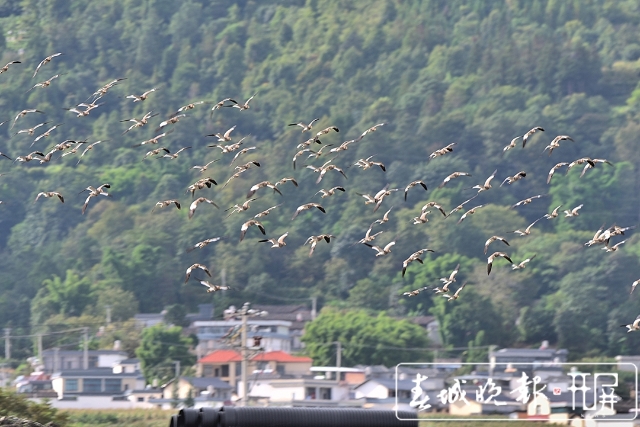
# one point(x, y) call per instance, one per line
point(260, 185)
point(415, 292)
point(493, 257)
point(196, 202)
point(469, 212)
point(305, 127)
point(452, 176)
point(246, 225)
point(314, 240)
point(48, 194)
point(511, 179)
point(442, 151)
point(307, 206)
point(213, 288)
point(591, 165)
point(527, 135)
point(266, 211)
point(456, 295)
point(44, 61)
point(414, 257)
point(633, 286)
point(614, 247)
point(527, 200)
point(632, 326)
point(382, 251)
point(165, 203)
point(487, 183)
point(573, 212)
point(511, 145)
point(451, 278)
point(554, 169)
point(276, 243)
point(330, 192)
point(44, 83)
point(434, 205)
point(413, 184)
point(371, 129)
point(6, 67)
point(493, 239)
point(203, 243)
point(94, 192)
point(225, 137)
point(241, 107)
point(527, 230)
point(195, 267)
point(523, 264)
point(554, 213)
point(24, 113)
point(142, 97)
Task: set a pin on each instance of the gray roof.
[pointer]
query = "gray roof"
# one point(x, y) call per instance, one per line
point(93, 372)
point(131, 361)
point(528, 352)
point(204, 382)
point(401, 385)
point(51, 351)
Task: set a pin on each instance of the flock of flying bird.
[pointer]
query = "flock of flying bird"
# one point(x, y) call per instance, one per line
point(234, 150)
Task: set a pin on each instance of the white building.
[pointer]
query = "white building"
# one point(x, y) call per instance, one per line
point(275, 334)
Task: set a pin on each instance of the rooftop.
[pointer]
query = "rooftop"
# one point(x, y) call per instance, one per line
point(204, 382)
point(221, 356)
point(281, 357)
point(93, 372)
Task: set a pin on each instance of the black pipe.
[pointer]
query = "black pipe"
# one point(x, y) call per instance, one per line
point(291, 417)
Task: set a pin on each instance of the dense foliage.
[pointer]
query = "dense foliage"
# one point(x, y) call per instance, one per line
point(12, 404)
point(159, 351)
point(475, 72)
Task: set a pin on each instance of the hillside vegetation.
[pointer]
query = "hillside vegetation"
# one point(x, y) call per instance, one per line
point(474, 72)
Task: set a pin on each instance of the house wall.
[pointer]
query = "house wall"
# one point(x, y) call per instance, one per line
point(460, 408)
point(88, 402)
point(231, 379)
point(542, 402)
point(372, 390)
point(355, 377)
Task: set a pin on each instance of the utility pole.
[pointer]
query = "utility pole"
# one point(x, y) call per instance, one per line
point(177, 365)
point(245, 356)
point(56, 359)
point(314, 307)
point(85, 361)
point(338, 359)
point(40, 349)
point(7, 343)
point(245, 312)
point(108, 308)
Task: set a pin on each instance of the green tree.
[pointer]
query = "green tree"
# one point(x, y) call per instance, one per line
point(365, 339)
point(160, 347)
point(12, 404)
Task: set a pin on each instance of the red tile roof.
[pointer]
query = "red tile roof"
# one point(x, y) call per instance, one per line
point(281, 357)
point(221, 356)
point(225, 356)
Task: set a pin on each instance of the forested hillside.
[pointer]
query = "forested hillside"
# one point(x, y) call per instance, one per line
point(474, 72)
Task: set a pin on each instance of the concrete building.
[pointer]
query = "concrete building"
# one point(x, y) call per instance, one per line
point(56, 359)
point(525, 359)
point(275, 334)
point(94, 382)
point(299, 315)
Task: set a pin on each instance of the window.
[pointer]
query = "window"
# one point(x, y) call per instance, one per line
point(69, 365)
point(238, 369)
point(71, 385)
point(92, 385)
point(280, 369)
point(141, 399)
point(325, 393)
point(310, 393)
point(93, 361)
point(392, 393)
point(112, 385)
point(207, 371)
point(225, 371)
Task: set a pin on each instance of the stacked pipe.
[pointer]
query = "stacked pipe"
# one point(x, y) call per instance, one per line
point(291, 417)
